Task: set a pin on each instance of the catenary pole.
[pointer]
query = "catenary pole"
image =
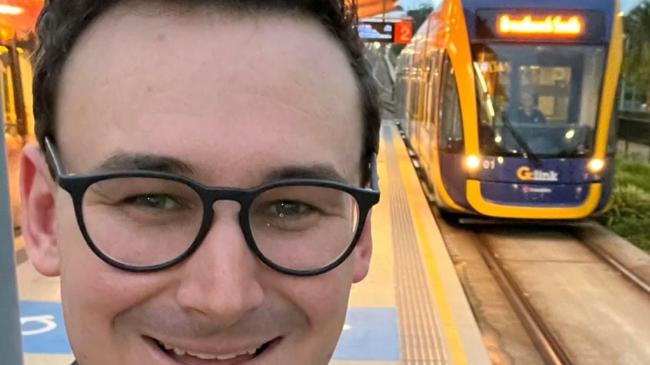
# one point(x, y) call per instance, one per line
point(10, 337)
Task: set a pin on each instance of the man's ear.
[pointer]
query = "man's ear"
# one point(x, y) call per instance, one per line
point(362, 252)
point(38, 193)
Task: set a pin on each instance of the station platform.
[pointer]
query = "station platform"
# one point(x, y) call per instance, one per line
point(411, 308)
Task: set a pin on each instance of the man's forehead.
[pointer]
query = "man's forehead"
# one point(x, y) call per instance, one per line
point(138, 71)
point(217, 46)
point(145, 25)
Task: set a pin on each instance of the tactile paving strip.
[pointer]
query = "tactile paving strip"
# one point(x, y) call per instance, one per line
point(421, 340)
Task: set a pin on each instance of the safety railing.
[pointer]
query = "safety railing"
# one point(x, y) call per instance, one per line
point(634, 128)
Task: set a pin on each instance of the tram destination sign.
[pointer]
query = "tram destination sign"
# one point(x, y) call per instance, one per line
point(390, 31)
point(541, 25)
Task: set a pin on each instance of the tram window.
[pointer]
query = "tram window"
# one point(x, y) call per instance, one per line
point(413, 93)
point(423, 94)
point(450, 133)
point(433, 83)
point(550, 88)
point(540, 98)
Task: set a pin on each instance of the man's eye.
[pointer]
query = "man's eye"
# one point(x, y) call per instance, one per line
point(290, 209)
point(153, 201)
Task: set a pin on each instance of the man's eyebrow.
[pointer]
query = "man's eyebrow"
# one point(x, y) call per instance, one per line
point(122, 161)
point(316, 171)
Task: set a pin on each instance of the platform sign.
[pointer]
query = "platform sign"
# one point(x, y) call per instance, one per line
point(403, 32)
point(376, 31)
point(392, 31)
point(42, 327)
point(369, 334)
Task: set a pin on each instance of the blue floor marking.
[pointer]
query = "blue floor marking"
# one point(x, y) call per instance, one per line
point(369, 334)
point(43, 330)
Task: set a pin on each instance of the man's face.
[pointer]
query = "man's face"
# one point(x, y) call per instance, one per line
point(236, 99)
point(527, 101)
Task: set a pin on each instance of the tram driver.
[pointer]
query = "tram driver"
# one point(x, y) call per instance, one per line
point(528, 111)
point(194, 186)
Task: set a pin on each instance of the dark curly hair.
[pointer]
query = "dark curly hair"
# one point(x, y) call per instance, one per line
point(62, 22)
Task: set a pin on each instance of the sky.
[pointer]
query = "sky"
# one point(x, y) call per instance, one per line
point(626, 5)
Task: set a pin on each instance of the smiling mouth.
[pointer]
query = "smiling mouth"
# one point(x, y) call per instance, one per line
point(183, 356)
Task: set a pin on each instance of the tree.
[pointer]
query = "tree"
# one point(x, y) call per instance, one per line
point(636, 64)
point(419, 15)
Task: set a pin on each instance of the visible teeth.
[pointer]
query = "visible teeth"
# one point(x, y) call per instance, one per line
point(204, 356)
point(227, 357)
point(181, 352)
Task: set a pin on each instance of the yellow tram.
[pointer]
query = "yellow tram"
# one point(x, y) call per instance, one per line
point(509, 106)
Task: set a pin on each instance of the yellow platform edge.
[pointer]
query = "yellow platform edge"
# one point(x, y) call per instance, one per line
point(460, 329)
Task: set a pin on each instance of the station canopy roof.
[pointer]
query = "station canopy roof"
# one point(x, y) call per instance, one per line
point(18, 16)
point(368, 8)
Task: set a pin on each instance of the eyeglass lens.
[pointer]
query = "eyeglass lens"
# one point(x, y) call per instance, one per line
point(149, 221)
point(303, 227)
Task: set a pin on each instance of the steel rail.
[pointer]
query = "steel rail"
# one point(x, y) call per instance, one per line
point(618, 266)
point(548, 346)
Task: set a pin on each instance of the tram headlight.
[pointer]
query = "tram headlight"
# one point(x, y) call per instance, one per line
point(472, 163)
point(570, 134)
point(596, 165)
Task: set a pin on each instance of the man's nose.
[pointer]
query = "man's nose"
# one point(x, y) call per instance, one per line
point(219, 280)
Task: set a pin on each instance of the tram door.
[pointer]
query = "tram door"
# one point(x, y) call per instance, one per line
point(431, 109)
point(18, 120)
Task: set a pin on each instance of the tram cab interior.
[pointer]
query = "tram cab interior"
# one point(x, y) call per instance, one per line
point(539, 100)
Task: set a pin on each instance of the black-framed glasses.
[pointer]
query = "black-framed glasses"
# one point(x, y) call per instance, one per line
point(144, 221)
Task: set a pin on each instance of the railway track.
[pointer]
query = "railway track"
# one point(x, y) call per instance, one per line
point(621, 267)
point(559, 286)
point(547, 344)
point(552, 283)
point(550, 347)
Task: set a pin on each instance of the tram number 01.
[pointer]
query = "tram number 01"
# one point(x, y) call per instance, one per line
point(489, 164)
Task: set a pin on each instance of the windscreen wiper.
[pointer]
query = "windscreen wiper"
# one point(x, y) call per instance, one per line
point(528, 152)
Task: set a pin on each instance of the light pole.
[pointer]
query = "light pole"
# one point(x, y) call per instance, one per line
point(10, 338)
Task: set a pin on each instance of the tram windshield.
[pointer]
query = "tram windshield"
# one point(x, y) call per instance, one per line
point(538, 100)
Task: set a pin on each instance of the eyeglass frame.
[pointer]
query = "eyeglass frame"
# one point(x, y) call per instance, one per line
point(77, 184)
